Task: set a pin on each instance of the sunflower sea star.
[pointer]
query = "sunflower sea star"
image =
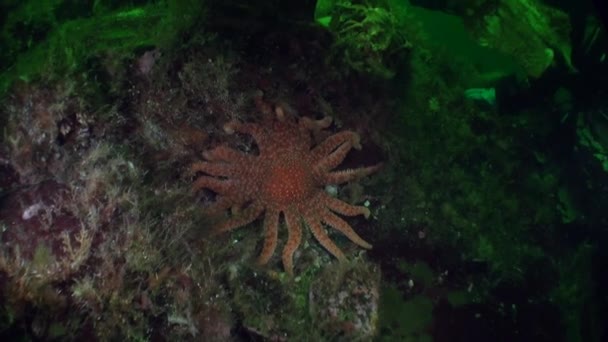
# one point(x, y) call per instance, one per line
point(288, 176)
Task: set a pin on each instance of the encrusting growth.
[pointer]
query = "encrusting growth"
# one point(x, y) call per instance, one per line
point(288, 177)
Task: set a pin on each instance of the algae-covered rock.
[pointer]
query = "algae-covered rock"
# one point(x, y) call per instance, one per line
point(327, 301)
point(344, 301)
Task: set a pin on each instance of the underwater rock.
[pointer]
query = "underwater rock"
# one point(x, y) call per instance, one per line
point(35, 217)
point(344, 301)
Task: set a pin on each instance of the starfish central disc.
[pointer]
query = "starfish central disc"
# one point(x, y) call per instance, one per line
point(288, 184)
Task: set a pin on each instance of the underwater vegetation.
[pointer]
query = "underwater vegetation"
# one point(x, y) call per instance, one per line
point(155, 154)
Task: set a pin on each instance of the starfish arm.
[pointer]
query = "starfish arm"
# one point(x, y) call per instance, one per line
point(333, 142)
point(257, 132)
point(226, 154)
point(293, 241)
point(271, 225)
point(324, 240)
point(309, 124)
point(342, 207)
point(332, 160)
point(217, 185)
point(342, 226)
point(213, 169)
point(343, 176)
point(248, 216)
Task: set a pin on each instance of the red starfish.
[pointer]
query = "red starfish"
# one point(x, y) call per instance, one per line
point(288, 176)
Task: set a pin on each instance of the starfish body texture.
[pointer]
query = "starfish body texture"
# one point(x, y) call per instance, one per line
point(287, 178)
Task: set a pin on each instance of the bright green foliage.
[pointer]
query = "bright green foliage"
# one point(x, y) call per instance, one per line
point(369, 36)
point(527, 29)
point(465, 179)
point(323, 12)
point(66, 44)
